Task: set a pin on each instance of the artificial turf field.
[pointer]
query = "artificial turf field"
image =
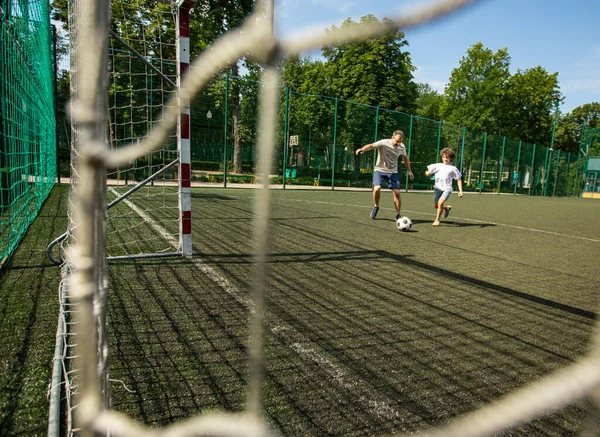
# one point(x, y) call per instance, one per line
point(370, 330)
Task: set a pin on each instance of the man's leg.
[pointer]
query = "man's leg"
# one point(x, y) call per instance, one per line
point(395, 186)
point(397, 202)
point(376, 197)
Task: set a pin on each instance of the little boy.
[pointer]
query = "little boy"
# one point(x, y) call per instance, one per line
point(444, 173)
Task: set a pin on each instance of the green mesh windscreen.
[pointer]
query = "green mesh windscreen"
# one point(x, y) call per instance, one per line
point(317, 137)
point(27, 123)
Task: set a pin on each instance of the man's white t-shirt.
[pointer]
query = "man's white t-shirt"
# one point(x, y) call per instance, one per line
point(444, 174)
point(387, 156)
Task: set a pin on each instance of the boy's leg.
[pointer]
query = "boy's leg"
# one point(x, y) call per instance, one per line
point(436, 204)
point(446, 208)
point(441, 207)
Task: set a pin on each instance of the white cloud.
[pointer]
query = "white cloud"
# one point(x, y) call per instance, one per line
point(337, 6)
point(425, 75)
point(582, 76)
point(581, 84)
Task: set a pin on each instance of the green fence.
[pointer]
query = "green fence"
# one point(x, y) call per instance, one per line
point(27, 123)
point(318, 137)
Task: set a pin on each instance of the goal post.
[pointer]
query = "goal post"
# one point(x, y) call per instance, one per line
point(182, 27)
point(145, 209)
point(152, 193)
point(87, 286)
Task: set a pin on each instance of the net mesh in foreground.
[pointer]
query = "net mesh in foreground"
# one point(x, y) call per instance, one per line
point(87, 257)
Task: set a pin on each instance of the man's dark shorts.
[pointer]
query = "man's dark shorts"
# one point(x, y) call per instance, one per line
point(392, 179)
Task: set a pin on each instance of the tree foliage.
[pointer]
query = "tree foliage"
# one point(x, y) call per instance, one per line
point(476, 88)
point(530, 99)
point(374, 71)
point(366, 81)
point(429, 102)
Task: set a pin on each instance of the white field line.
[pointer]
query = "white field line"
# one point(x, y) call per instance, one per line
point(558, 234)
point(377, 406)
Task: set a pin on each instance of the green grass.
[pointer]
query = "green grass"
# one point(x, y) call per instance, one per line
point(369, 330)
point(28, 319)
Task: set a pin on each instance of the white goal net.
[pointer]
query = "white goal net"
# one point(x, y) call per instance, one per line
point(132, 133)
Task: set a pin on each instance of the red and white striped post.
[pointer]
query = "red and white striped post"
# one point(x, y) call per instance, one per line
point(183, 129)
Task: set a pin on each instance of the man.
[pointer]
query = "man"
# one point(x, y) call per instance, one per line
point(386, 168)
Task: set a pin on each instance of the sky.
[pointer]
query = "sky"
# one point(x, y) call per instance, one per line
point(562, 36)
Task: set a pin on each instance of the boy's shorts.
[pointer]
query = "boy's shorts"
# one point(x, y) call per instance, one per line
point(440, 193)
point(392, 179)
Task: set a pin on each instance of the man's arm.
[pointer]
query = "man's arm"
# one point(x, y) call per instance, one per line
point(407, 164)
point(365, 148)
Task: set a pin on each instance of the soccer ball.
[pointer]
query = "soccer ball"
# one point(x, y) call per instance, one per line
point(403, 223)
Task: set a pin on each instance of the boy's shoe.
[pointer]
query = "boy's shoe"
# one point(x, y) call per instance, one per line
point(398, 217)
point(374, 212)
point(447, 211)
point(435, 223)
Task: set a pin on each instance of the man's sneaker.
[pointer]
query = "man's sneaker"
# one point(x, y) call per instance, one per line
point(447, 211)
point(374, 212)
point(398, 217)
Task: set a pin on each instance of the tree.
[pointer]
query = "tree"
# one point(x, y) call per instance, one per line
point(374, 71)
point(147, 25)
point(476, 89)
point(527, 109)
point(209, 21)
point(567, 134)
point(588, 115)
point(429, 102)
point(310, 112)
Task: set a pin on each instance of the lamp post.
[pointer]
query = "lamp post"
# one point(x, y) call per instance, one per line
point(551, 148)
point(209, 116)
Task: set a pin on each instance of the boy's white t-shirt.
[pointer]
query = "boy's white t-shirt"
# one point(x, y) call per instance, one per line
point(444, 174)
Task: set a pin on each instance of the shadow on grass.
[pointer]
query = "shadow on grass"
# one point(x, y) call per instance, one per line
point(362, 256)
point(347, 351)
point(444, 222)
point(211, 196)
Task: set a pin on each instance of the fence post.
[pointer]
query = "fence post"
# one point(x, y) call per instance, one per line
point(518, 171)
point(225, 131)
point(546, 171)
point(556, 174)
point(376, 134)
point(575, 183)
point(532, 170)
point(462, 149)
point(439, 139)
point(334, 143)
point(410, 129)
point(482, 163)
point(567, 174)
point(286, 133)
point(501, 165)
